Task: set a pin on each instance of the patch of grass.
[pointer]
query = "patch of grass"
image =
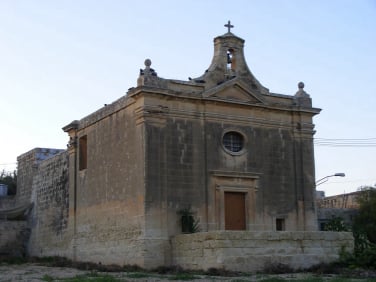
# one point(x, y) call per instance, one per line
point(51, 261)
point(221, 272)
point(93, 278)
point(13, 260)
point(341, 279)
point(278, 268)
point(183, 276)
point(168, 270)
point(273, 279)
point(138, 275)
point(47, 278)
point(313, 279)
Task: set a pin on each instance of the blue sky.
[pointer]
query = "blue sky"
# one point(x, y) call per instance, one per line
point(62, 60)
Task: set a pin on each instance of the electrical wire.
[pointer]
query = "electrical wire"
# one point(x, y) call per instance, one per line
point(337, 142)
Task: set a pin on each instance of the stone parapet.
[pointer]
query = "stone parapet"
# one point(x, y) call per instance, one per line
point(255, 251)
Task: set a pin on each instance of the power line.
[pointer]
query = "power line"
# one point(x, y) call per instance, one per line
point(346, 145)
point(341, 139)
point(353, 142)
point(352, 181)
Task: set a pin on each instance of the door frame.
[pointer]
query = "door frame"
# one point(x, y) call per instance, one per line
point(231, 181)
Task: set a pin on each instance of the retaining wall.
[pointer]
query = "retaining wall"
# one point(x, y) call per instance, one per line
point(13, 238)
point(255, 251)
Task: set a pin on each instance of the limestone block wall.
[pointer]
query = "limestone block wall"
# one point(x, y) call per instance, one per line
point(108, 238)
point(49, 216)
point(108, 192)
point(255, 251)
point(27, 169)
point(13, 235)
point(7, 202)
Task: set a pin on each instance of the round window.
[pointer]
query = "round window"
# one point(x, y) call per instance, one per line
point(233, 141)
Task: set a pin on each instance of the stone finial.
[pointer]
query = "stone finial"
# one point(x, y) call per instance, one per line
point(149, 77)
point(302, 97)
point(301, 92)
point(148, 70)
point(147, 63)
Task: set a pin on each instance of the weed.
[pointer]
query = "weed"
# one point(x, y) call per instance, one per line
point(12, 260)
point(278, 268)
point(183, 276)
point(341, 279)
point(188, 223)
point(212, 271)
point(47, 278)
point(92, 278)
point(168, 269)
point(313, 279)
point(272, 279)
point(138, 275)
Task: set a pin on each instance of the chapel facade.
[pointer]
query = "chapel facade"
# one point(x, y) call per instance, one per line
point(220, 148)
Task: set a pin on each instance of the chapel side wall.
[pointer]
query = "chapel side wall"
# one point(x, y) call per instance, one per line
point(49, 219)
point(110, 191)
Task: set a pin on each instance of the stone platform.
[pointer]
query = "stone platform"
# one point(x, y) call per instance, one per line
point(256, 251)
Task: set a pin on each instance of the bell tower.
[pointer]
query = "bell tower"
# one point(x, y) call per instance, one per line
point(229, 62)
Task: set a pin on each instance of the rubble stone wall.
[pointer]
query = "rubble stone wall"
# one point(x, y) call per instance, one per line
point(27, 168)
point(49, 216)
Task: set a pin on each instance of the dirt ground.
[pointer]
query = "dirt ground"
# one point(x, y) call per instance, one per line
point(33, 272)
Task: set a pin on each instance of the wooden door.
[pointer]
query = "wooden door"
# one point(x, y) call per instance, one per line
point(235, 211)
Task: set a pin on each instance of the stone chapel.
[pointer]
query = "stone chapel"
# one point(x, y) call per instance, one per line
point(221, 149)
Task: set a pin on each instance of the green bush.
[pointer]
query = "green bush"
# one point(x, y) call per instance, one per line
point(364, 231)
point(336, 224)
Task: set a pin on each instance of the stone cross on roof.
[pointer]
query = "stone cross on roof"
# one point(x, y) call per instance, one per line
point(229, 26)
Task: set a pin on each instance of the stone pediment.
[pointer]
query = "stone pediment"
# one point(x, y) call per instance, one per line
point(234, 91)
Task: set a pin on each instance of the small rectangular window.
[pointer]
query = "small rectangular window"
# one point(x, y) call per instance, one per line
point(82, 153)
point(280, 224)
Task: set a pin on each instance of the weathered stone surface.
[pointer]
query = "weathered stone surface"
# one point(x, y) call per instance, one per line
point(267, 249)
point(27, 168)
point(49, 216)
point(13, 238)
